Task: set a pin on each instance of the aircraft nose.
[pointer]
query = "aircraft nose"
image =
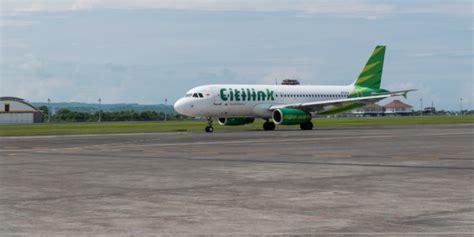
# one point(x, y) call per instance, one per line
point(179, 106)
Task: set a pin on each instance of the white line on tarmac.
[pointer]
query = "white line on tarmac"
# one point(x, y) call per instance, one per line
point(289, 140)
point(252, 141)
point(86, 135)
point(141, 134)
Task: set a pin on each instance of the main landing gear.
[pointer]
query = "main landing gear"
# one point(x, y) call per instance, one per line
point(209, 127)
point(306, 126)
point(268, 126)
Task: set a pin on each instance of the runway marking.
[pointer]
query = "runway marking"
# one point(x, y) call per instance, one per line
point(87, 135)
point(294, 154)
point(333, 155)
point(251, 141)
point(416, 157)
point(260, 161)
point(289, 140)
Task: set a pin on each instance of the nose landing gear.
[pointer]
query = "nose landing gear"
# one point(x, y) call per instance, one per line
point(209, 127)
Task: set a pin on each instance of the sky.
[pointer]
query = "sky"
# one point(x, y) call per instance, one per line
point(144, 51)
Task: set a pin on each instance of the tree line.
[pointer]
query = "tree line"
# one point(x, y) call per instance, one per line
point(67, 115)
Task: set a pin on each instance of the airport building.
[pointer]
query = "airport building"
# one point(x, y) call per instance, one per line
point(394, 108)
point(369, 110)
point(17, 110)
point(397, 107)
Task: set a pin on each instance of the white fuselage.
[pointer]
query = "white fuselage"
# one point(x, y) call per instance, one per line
point(252, 100)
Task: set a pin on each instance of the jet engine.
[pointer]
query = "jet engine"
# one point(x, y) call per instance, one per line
point(290, 116)
point(235, 121)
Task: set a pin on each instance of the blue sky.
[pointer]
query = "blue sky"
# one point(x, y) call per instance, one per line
point(144, 51)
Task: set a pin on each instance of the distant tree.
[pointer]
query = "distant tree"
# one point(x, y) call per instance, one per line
point(44, 110)
point(66, 115)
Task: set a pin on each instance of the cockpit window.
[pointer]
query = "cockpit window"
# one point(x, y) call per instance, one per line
point(195, 95)
point(200, 95)
point(188, 95)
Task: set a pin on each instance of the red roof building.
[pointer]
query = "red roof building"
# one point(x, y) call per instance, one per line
point(396, 107)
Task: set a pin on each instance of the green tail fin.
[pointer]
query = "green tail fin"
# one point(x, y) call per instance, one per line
point(371, 74)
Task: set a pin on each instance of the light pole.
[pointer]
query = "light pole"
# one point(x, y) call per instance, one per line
point(432, 108)
point(421, 106)
point(166, 105)
point(100, 110)
point(460, 104)
point(49, 110)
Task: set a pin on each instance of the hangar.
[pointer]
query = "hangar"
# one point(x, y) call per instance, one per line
point(17, 110)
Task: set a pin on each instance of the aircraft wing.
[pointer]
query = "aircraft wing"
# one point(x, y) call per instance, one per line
point(319, 106)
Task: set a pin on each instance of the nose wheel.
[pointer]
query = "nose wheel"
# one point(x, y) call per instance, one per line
point(209, 127)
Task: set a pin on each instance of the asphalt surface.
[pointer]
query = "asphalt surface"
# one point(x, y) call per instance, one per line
point(396, 179)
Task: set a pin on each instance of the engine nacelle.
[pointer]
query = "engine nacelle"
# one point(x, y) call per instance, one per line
point(289, 116)
point(235, 121)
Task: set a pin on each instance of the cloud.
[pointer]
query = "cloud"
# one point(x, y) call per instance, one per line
point(84, 4)
point(305, 6)
point(19, 44)
point(446, 53)
point(272, 74)
point(453, 8)
point(338, 8)
point(34, 89)
point(17, 23)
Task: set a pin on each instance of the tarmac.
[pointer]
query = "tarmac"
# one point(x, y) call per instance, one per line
point(406, 179)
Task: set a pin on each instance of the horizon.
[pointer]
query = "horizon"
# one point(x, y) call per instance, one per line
point(144, 52)
point(382, 103)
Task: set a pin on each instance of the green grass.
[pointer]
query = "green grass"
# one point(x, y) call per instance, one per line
point(142, 127)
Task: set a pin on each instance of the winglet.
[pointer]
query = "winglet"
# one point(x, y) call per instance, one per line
point(405, 94)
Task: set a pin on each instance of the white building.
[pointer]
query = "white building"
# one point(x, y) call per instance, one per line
point(369, 110)
point(16, 110)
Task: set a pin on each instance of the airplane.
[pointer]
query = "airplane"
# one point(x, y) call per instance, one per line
point(235, 105)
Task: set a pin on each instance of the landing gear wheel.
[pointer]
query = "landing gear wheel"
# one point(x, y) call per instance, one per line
point(209, 127)
point(306, 126)
point(269, 126)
